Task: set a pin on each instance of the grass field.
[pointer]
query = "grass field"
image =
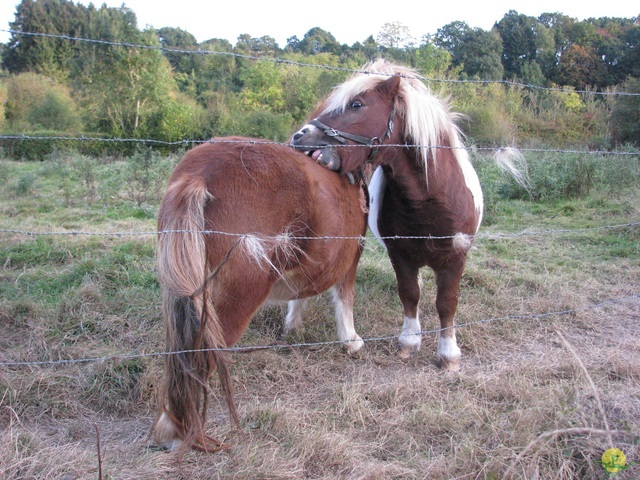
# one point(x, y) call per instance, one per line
point(540, 395)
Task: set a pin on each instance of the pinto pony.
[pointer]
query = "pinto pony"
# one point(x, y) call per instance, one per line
point(243, 221)
point(426, 203)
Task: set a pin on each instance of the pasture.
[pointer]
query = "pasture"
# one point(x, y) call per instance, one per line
point(549, 313)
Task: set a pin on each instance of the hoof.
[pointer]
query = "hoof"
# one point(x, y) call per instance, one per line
point(166, 434)
point(405, 352)
point(450, 365)
point(354, 346)
point(170, 445)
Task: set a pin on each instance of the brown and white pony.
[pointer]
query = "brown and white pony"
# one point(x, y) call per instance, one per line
point(426, 203)
point(243, 221)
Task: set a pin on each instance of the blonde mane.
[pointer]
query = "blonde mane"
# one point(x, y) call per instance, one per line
point(428, 121)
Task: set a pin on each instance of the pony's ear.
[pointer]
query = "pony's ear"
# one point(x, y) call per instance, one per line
point(390, 87)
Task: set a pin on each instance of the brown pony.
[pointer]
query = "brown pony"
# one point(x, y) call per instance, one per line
point(426, 203)
point(243, 221)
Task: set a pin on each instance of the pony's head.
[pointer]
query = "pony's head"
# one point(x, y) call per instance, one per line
point(383, 104)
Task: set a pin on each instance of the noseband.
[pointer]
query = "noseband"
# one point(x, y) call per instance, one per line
point(372, 142)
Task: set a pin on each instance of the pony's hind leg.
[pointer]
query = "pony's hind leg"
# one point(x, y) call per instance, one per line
point(447, 287)
point(166, 433)
point(293, 320)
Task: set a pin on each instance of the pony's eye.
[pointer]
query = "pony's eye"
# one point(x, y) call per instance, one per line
point(356, 104)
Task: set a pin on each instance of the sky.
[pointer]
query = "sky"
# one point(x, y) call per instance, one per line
point(349, 21)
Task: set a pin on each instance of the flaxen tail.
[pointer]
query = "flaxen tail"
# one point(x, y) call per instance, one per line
point(192, 327)
point(511, 161)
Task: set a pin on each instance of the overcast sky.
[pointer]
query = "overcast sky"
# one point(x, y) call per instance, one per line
point(349, 21)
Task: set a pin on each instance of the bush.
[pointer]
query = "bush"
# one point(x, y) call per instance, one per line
point(488, 125)
point(272, 126)
point(56, 112)
point(625, 117)
point(571, 175)
point(41, 144)
point(145, 176)
point(35, 102)
point(3, 101)
point(178, 119)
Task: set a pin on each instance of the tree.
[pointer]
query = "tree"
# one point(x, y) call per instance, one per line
point(519, 44)
point(451, 36)
point(318, 40)
point(395, 35)
point(41, 53)
point(210, 71)
point(262, 87)
point(580, 67)
point(127, 86)
point(480, 55)
point(108, 24)
point(432, 61)
point(476, 51)
point(176, 39)
point(293, 44)
point(631, 55)
point(256, 46)
point(583, 33)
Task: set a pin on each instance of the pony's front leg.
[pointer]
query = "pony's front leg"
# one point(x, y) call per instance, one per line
point(409, 291)
point(343, 297)
point(447, 287)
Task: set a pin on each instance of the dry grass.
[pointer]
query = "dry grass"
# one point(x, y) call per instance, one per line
point(528, 403)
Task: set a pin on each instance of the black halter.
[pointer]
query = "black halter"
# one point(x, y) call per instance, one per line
point(372, 142)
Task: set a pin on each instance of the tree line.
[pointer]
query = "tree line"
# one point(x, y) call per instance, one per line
point(54, 81)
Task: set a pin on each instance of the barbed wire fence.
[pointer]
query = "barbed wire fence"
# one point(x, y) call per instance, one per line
point(285, 61)
point(191, 142)
point(280, 346)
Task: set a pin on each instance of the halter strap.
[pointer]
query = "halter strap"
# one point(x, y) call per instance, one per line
point(340, 136)
point(372, 142)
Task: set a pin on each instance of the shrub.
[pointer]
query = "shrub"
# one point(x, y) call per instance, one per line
point(145, 176)
point(488, 125)
point(178, 119)
point(573, 175)
point(625, 117)
point(273, 126)
point(35, 102)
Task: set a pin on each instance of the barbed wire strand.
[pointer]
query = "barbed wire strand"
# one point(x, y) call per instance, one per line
point(310, 65)
point(280, 346)
point(188, 142)
point(488, 235)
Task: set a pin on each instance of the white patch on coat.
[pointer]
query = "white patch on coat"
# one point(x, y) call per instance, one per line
point(472, 181)
point(307, 128)
point(448, 347)
point(461, 241)
point(295, 309)
point(410, 336)
point(344, 323)
point(376, 196)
